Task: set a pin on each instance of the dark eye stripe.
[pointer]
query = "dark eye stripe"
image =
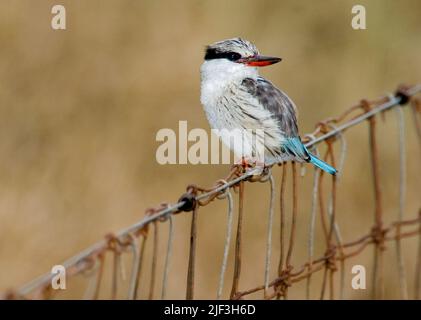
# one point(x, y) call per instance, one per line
point(214, 54)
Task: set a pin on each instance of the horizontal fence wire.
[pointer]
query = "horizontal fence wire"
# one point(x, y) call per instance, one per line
point(90, 262)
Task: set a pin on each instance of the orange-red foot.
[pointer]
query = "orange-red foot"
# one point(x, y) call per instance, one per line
point(245, 163)
point(248, 163)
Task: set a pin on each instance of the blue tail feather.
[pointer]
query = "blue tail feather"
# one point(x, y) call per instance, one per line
point(322, 165)
point(296, 147)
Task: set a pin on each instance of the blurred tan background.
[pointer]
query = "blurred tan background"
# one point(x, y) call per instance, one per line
point(79, 110)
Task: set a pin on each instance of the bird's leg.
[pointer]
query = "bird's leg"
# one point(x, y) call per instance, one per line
point(246, 163)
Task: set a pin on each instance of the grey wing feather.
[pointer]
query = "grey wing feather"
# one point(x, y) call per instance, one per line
point(277, 102)
point(283, 109)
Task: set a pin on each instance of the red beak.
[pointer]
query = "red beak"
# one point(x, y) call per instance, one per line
point(259, 61)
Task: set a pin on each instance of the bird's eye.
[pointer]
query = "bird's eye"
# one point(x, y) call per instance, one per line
point(233, 56)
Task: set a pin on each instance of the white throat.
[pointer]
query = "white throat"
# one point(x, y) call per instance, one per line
point(218, 74)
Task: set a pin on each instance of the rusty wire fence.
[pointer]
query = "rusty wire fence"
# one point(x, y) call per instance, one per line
point(132, 241)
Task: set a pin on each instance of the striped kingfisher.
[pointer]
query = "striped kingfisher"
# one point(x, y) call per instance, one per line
point(236, 99)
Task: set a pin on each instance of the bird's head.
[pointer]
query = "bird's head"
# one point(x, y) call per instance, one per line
point(239, 51)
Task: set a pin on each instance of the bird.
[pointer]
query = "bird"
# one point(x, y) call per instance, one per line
point(236, 98)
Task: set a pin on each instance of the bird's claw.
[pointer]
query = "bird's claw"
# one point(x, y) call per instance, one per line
point(250, 163)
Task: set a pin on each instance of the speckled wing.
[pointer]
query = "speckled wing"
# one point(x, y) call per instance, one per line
point(282, 109)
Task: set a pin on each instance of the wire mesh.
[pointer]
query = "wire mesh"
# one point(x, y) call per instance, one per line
point(90, 262)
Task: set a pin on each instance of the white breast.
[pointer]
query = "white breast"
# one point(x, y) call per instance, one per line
point(219, 73)
point(224, 100)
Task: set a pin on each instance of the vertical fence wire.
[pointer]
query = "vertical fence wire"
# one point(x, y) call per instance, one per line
point(324, 227)
point(154, 260)
point(121, 267)
point(237, 260)
point(269, 232)
point(402, 192)
point(114, 279)
point(167, 257)
point(332, 213)
point(282, 223)
point(227, 244)
point(192, 256)
point(288, 265)
point(138, 253)
point(340, 168)
point(99, 274)
point(311, 233)
point(417, 287)
point(93, 279)
point(282, 219)
point(416, 111)
point(378, 282)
